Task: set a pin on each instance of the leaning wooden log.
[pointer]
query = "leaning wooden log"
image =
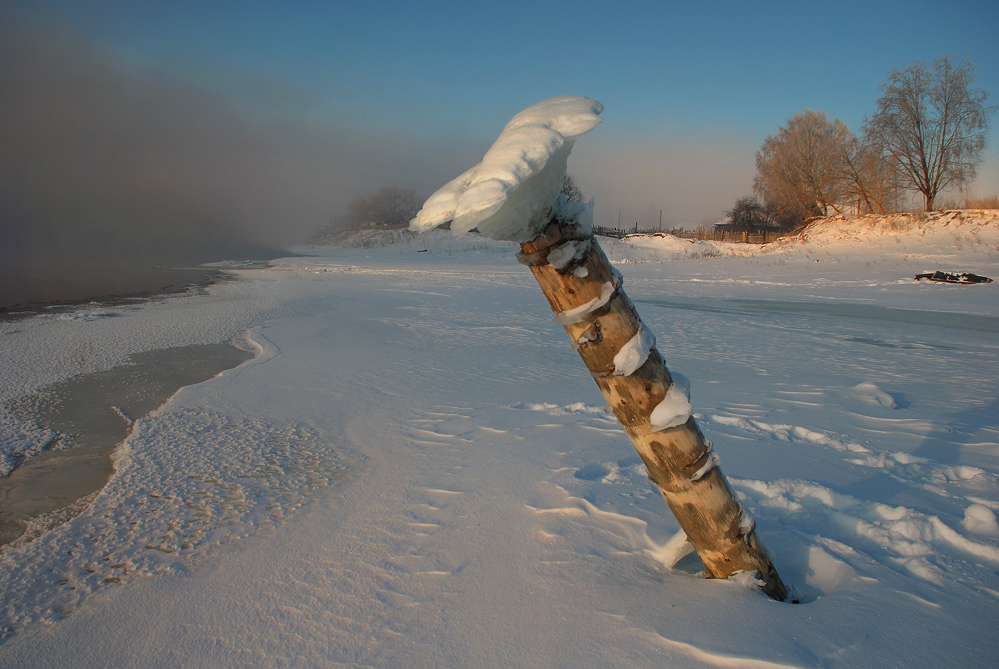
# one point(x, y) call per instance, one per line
point(513, 194)
point(587, 295)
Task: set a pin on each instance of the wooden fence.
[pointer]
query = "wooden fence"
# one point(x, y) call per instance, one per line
point(703, 235)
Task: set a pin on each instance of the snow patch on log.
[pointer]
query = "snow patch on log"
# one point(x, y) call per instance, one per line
point(578, 214)
point(674, 410)
point(635, 352)
point(583, 311)
point(749, 578)
point(592, 333)
point(746, 524)
point(713, 461)
point(564, 255)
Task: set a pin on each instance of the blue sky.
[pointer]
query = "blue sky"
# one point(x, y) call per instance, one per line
point(690, 90)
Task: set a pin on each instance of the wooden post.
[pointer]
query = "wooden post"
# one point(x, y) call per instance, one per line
point(586, 293)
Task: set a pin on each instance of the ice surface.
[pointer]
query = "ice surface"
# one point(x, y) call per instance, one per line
point(417, 471)
point(97, 411)
point(510, 194)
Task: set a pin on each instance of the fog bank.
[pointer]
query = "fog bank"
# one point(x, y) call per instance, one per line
point(693, 180)
point(107, 170)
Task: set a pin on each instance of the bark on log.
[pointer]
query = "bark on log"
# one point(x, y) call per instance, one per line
point(679, 459)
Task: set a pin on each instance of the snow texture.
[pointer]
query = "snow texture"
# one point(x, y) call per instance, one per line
point(417, 471)
point(635, 352)
point(674, 550)
point(578, 214)
point(869, 392)
point(510, 194)
point(980, 519)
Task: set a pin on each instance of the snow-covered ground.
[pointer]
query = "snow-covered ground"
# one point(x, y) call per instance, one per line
point(416, 469)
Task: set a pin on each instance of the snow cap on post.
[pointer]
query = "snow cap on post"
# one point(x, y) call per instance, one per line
point(509, 195)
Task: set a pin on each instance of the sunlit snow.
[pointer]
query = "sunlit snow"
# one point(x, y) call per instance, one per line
point(417, 470)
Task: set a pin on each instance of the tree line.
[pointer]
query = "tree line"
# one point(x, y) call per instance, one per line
point(926, 135)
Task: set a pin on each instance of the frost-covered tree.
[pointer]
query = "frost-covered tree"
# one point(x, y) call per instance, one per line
point(389, 206)
point(799, 167)
point(932, 124)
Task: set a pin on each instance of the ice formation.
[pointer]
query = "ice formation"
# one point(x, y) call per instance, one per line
point(510, 194)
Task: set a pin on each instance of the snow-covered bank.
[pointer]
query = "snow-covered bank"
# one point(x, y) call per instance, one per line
point(418, 471)
point(69, 341)
point(92, 414)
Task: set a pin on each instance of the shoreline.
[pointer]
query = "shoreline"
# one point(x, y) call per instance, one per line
point(198, 279)
point(94, 414)
point(59, 481)
point(137, 284)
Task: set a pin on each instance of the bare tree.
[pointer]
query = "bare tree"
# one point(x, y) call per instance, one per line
point(748, 215)
point(799, 166)
point(869, 176)
point(932, 124)
point(389, 206)
point(571, 191)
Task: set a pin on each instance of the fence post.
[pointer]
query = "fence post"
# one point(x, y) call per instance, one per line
point(587, 295)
